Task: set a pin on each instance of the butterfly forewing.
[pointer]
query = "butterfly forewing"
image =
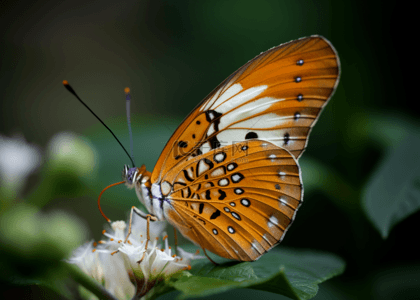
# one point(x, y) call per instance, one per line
point(275, 97)
point(238, 200)
point(228, 177)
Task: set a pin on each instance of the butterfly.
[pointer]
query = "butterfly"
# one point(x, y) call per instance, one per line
point(229, 179)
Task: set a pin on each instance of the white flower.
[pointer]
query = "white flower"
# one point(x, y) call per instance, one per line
point(154, 264)
point(108, 270)
point(113, 262)
point(18, 160)
point(88, 261)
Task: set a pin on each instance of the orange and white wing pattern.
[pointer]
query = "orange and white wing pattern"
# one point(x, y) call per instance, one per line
point(275, 97)
point(236, 201)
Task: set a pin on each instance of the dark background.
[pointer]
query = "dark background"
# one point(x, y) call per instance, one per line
point(171, 54)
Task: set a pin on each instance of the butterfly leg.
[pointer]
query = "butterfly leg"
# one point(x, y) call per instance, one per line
point(205, 253)
point(140, 214)
point(153, 218)
point(176, 241)
point(204, 250)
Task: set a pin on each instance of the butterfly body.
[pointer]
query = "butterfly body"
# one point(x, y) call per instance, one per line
point(229, 179)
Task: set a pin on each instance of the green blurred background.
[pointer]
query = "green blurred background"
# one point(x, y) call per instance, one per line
point(172, 54)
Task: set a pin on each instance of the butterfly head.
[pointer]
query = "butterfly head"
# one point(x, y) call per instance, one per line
point(133, 176)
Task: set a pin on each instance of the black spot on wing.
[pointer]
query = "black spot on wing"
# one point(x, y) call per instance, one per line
point(222, 195)
point(215, 215)
point(251, 135)
point(208, 195)
point(187, 176)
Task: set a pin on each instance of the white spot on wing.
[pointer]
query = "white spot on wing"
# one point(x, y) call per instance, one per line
point(223, 182)
point(245, 202)
point(248, 110)
point(190, 173)
point(270, 120)
point(210, 102)
point(202, 167)
point(241, 98)
point(219, 157)
point(283, 202)
point(230, 92)
point(272, 221)
point(166, 187)
point(211, 130)
point(236, 177)
point(282, 175)
point(218, 172)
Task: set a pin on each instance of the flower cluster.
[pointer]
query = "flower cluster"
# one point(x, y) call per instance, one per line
point(18, 159)
point(129, 269)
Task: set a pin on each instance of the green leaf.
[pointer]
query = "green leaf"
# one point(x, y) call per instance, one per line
point(289, 272)
point(393, 192)
point(397, 282)
point(317, 176)
point(380, 127)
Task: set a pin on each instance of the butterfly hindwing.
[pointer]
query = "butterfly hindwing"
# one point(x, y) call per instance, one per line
point(237, 201)
point(275, 97)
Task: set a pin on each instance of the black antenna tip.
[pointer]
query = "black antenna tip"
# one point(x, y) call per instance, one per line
point(68, 87)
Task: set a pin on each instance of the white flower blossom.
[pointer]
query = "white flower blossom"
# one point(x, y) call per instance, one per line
point(106, 269)
point(113, 262)
point(18, 160)
point(88, 261)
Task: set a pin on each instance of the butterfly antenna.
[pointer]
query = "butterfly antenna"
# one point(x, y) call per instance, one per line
point(127, 106)
point(70, 89)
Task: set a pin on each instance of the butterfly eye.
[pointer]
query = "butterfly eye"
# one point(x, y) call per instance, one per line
point(129, 174)
point(124, 172)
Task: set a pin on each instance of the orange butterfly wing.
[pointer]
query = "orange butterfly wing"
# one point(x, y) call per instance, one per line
point(277, 97)
point(241, 207)
point(236, 201)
